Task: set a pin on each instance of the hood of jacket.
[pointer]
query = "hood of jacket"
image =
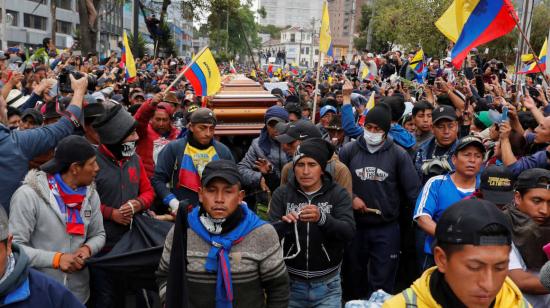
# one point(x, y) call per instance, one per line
point(508, 296)
point(402, 136)
point(38, 181)
point(19, 274)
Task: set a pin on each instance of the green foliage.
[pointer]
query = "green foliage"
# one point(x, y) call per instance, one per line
point(262, 12)
point(140, 51)
point(272, 30)
point(167, 43)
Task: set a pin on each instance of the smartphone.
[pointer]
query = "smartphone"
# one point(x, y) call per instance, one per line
point(504, 116)
point(524, 90)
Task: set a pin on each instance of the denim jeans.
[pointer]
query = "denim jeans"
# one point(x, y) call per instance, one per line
point(320, 294)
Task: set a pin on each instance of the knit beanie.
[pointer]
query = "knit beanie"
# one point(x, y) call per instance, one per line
point(397, 106)
point(381, 116)
point(277, 112)
point(114, 126)
point(318, 149)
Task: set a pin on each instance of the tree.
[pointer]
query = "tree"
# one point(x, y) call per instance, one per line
point(141, 50)
point(273, 31)
point(88, 38)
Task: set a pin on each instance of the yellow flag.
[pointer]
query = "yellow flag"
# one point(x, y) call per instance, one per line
point(365, 73)
point(324, 36)
point(253, 73)
point(128, 59)
point(370, 103)
point(454, 18)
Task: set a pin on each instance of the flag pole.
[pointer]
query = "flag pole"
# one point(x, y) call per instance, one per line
point(184, 71)
point(537, 60)
point(316, 87)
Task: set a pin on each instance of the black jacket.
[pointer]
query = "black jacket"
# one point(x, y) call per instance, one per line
point(385, 180)
point(322, 244)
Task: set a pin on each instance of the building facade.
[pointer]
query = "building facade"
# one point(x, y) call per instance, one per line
point(340, 14)
point(284, 13)
point(301, 46)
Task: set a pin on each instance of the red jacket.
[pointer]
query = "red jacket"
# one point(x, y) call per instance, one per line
point(148, 136)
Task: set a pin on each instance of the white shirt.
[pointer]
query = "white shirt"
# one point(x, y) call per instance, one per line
point(516, 262)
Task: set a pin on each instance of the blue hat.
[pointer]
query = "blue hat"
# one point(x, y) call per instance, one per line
point(277, 113)
point(327, 108)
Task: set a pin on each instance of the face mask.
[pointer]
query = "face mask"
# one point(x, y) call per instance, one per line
point(128, 149)
point(373, 138)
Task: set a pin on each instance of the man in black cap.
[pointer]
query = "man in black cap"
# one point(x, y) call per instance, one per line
point(382, 185)
point(226, 256)
point(320, 219)
point(434, 156)
point(123, 187)
point(443, 190)
point(31, 118)
point(60, 247)
point(292, 137)
point(496, 185)
point(181, 162)
point(530, 214)
point(473, 240)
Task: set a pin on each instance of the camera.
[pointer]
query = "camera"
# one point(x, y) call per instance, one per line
point(65, 80)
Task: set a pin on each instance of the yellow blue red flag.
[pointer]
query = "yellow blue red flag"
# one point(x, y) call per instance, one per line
point(127, 59)
point(204, 74)
point(470, 23)
point(418, 62)
point(532, 67)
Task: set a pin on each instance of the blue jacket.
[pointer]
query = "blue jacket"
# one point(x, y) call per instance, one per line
point(537, 160)
point(19, 147)
point(168, 167)
point(26, 287)
point(382, 179)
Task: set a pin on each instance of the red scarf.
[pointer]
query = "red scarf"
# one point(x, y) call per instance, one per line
point(70, 203)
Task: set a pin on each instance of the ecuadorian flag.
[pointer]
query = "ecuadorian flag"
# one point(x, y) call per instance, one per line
point(193, 162)
point(204, 74)
point(470, 23)
point(366, 74)
point(127, 59)
point(532, 68)
point(418, 62)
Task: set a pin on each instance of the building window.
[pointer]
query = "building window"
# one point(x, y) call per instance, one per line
point(316, 52)
point(64, 27)
point(307, 50)
point(35, 22)
point(63, 4)
point(292, 37)
point(15, 20)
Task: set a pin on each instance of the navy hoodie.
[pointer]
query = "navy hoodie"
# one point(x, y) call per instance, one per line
point(385, 180)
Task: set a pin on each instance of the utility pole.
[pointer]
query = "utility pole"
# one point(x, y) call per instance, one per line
point(227, 29)
point(371, 27)
point(135, 25)
point(53, 11)
point(525, 24)
point(311, 45)
point(351, 31)
point(300, 49)
point(4, 25)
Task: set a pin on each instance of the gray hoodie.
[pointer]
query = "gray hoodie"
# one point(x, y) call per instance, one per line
point(39, 227)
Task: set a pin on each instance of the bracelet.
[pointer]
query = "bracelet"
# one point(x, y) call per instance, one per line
point(57, 260)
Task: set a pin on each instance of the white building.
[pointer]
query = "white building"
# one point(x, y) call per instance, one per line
point(300, 45)
point(283, 13)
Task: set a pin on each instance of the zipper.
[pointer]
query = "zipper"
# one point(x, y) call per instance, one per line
point(325, 250)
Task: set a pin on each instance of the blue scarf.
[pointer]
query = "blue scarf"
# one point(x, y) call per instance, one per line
point(218, 256)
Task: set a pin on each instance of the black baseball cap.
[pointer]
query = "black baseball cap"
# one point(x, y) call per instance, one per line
point(468, 141)
point(223, 169)
point(299, 130)
point(443, 112)
point(70, 149)
point(463, 222)
point(533, 178)
point(34, 114)
point(497, 184)
point(203, 115)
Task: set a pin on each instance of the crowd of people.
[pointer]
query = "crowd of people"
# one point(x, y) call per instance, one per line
point(397, 187)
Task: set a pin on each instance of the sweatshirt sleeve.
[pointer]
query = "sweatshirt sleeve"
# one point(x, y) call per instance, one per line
point(164, 264)
point(537, 160)
point(22, 220)
point(146, 191)
point(409, 182)
point(339, 224)
point(39, 140)
point(143, 115)
point(273, 274)
point(251, 177)
point(348, 122)
point(95, 232)
point(276, 208)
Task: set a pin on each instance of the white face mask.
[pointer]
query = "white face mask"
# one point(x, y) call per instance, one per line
point(128, 149)
point(373, 138)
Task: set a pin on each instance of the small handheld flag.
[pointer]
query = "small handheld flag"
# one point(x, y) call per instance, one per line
point(418, 62)
point(204, 74)
point(532, 67)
